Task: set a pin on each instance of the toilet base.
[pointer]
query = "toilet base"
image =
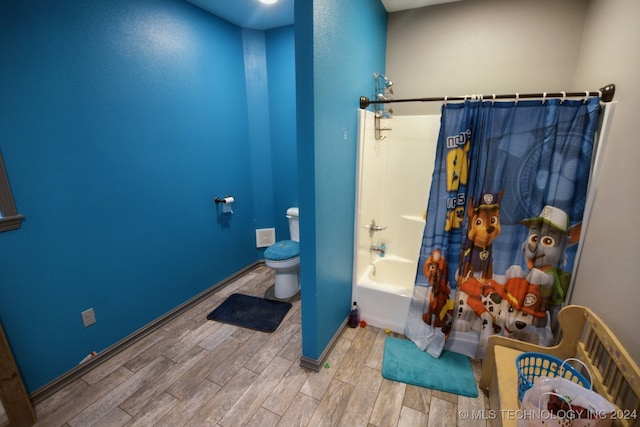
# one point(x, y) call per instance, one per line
point(287, 284)
point(287, 276)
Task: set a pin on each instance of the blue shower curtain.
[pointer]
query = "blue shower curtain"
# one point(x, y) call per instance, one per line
point(503, 219)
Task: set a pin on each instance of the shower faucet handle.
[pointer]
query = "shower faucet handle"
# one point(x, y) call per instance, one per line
point(373, 227)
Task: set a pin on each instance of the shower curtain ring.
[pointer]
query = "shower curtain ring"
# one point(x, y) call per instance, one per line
point(445, 100)
point(564, 96)
point(586, 96)
point(544, 97)
point(517, 98)
point(493, 101)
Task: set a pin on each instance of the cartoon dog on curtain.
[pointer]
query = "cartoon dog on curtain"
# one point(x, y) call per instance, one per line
point(477, 302)
point(483, 228)
point(440, 311)
point(544, 251)
point(534, 297)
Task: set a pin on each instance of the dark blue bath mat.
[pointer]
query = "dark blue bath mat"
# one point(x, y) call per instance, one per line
point(404, 362)
point(251, 312)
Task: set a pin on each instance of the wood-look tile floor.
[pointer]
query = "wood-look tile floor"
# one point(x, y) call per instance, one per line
point(194, 372)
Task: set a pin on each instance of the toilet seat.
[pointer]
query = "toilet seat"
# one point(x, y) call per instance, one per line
point(282, 250)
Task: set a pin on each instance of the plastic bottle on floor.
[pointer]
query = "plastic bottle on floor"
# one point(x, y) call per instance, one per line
point(354, 316)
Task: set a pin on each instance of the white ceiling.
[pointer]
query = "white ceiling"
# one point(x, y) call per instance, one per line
point(259, 16)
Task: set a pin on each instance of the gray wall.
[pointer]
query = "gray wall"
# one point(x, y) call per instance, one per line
point(507, 46)
point(483, 46)
point(606, 280)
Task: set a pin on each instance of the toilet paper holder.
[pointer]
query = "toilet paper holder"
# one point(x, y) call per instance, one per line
point(223, 200)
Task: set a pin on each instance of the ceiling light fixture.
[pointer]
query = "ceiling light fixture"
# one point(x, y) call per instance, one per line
point(268, 1)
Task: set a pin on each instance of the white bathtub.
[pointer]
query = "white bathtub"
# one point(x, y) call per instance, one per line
point(384, 291)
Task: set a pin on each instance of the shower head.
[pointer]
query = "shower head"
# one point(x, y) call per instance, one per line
point(387, 82)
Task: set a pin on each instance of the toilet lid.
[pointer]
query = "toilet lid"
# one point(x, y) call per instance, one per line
point(282, 250)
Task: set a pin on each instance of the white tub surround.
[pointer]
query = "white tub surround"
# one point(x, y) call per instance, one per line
point(393, 180)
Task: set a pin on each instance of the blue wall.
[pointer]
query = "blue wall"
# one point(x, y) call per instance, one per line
point(120, 122)
point(272, 125)
point(339, 45)
point(281, 70)
point(255, 55)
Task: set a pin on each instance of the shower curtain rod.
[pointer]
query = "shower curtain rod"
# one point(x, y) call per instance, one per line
point(606, 95)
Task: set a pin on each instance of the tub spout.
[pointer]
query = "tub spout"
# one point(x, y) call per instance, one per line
point(380, 249)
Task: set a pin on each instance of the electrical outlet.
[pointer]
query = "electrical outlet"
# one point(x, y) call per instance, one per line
point(88, 317)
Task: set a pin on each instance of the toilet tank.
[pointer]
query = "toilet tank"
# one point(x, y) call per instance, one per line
point(293, 215)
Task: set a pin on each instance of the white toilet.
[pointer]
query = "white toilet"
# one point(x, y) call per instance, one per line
point(284, 258)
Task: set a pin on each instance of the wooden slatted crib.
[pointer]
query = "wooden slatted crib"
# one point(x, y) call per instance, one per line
point(616, 375)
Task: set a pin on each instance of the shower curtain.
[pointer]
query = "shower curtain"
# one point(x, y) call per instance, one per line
point(503, 219)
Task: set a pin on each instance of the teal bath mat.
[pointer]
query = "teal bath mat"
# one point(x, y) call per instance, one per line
point(404, 362)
